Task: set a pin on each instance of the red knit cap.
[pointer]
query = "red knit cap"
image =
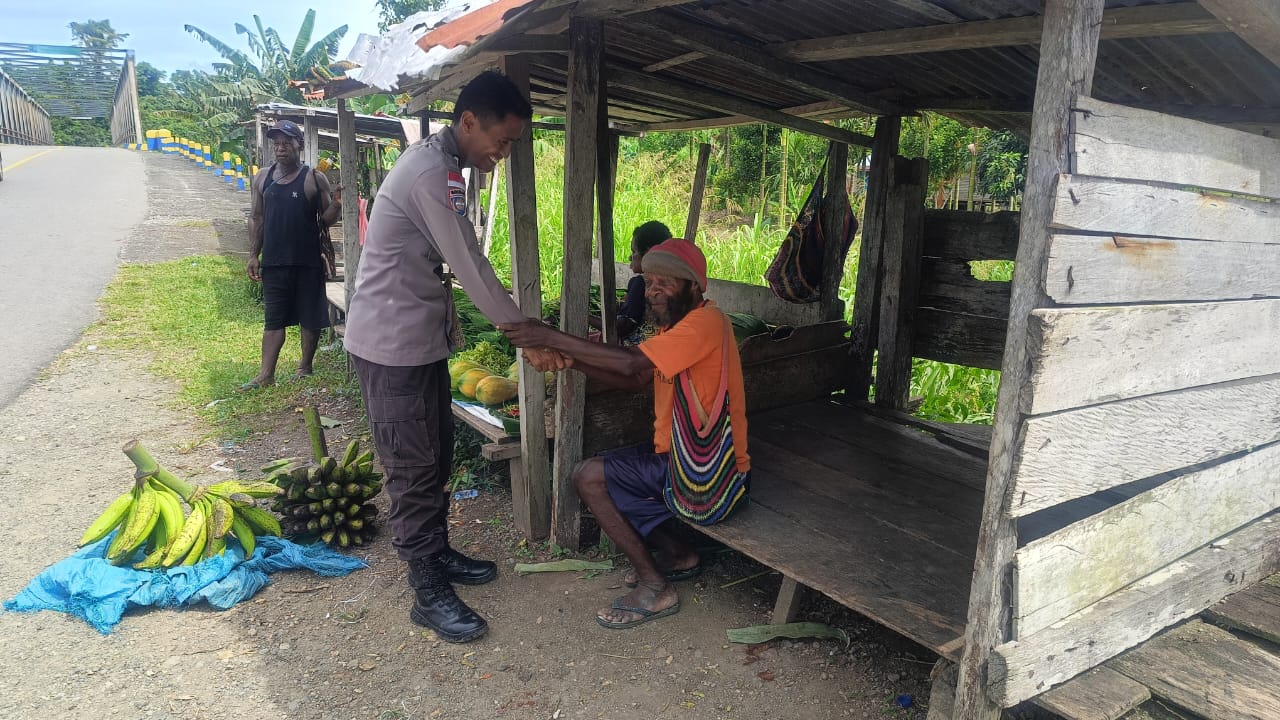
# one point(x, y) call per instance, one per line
point(677, 258)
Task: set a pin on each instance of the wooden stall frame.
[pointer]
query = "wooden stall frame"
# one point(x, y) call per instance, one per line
point(1068, 50)
point(586, 55)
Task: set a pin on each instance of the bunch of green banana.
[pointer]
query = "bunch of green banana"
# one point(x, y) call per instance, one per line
point(149, 517)
point(227, 508)
point(328, 500)
point(149, 514)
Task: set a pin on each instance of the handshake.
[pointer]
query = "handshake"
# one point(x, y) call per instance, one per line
point(535, 339)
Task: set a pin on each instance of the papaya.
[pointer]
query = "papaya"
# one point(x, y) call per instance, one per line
point(495, 390)
point(513, 372)
point(470, 379)
point(456, 370)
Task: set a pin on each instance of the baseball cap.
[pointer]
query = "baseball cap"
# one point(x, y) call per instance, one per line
point(287, 128)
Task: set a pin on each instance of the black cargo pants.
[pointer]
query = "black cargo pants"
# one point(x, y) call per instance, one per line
point(412, 427)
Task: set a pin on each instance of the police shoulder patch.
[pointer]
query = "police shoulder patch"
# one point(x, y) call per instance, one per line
point(457, 192)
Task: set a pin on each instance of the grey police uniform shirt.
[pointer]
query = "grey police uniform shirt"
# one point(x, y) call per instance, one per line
point(400, 314)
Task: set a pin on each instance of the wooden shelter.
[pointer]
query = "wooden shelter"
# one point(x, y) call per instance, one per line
point(1129, 481)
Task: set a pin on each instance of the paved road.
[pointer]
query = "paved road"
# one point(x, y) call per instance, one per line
point(64, 214)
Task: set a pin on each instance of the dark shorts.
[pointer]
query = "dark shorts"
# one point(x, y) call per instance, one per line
point(637, 481)
point(294, 295)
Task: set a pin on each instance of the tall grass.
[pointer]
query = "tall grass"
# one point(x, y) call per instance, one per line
point(649, 186)
point(654, 186)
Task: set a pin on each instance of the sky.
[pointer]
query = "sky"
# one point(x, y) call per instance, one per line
point(155, 29)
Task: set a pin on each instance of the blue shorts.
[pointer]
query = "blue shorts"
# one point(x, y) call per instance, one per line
point(636, 478)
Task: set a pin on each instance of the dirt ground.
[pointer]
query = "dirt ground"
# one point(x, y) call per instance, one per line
point(336, 648)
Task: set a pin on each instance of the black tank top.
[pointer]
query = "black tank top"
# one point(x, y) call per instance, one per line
point(290, 233)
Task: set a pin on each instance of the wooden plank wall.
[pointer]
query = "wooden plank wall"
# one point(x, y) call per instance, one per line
point(1156, 362)
point(961, 319)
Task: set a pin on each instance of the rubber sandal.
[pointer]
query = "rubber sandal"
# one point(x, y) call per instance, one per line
point(645, 615)
point(675, 575)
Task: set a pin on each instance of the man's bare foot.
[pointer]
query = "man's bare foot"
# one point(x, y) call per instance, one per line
point(256, 383)
point(675, 569)
point(640, 606)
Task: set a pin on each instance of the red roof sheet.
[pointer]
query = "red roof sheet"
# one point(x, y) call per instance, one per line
point(470, 28)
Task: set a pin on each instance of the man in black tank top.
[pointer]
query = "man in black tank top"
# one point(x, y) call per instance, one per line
point(290, 202)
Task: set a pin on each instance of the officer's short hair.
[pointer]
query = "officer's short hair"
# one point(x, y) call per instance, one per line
point(491, 96)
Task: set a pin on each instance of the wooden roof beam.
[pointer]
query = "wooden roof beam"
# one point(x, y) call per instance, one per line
point(672, 62)
point(686, 92)
point(1257, 22)
point(1145, 21)
point(1219, 115)
point(723, 46)
point(605, 9)
point(721, 121)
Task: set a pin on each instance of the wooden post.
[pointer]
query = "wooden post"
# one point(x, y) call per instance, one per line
point(834, 217)
point(260, 150)
point(866, 296)
point(311, 138)
point(790, 597)
point(378, 172)
point(606, 169)
point(531, 491)
point(487, 241)
point(350, 198)
point(1068, 50)
point(586, 56)
point(903, 246)
point(699, 189)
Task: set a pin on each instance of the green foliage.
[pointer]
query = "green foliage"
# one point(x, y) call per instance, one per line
point(1002, 165)
point(737, 183)
point(85, 133)
point(150, 80)
point(264, 73)
point(97, 34)
point(477, 329)
point(954, 393)
point(470, 470)
point(391, 12)
point(213, 107)
point(488, 356)
point(945, 143)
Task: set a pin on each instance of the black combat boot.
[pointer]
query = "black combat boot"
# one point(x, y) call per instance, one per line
point(468, 571)
point(437, 606)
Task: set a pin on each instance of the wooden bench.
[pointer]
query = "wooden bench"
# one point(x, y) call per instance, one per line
point(335, 292)
point(501, 446)
point(879, 516)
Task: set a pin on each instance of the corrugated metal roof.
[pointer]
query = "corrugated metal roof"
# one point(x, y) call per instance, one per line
point(416, 50)
point(1201, 75)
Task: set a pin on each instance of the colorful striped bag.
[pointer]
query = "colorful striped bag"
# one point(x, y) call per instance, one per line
point(705, 486)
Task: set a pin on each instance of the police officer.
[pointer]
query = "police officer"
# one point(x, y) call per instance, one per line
point(399, 329)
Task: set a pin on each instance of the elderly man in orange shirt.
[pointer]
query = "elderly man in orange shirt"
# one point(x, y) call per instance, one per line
point(697, 467)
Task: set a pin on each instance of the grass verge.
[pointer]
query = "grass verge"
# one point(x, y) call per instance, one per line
point(198, 321)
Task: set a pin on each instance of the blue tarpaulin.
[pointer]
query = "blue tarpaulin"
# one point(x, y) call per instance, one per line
point(87, 586)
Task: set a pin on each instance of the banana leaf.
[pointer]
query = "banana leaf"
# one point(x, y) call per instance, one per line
point(756, 634)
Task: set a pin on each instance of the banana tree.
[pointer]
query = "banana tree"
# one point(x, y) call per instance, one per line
point(265, 73)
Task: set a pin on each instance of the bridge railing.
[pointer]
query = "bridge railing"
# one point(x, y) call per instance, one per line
point(126, 117)
point(22, 120)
